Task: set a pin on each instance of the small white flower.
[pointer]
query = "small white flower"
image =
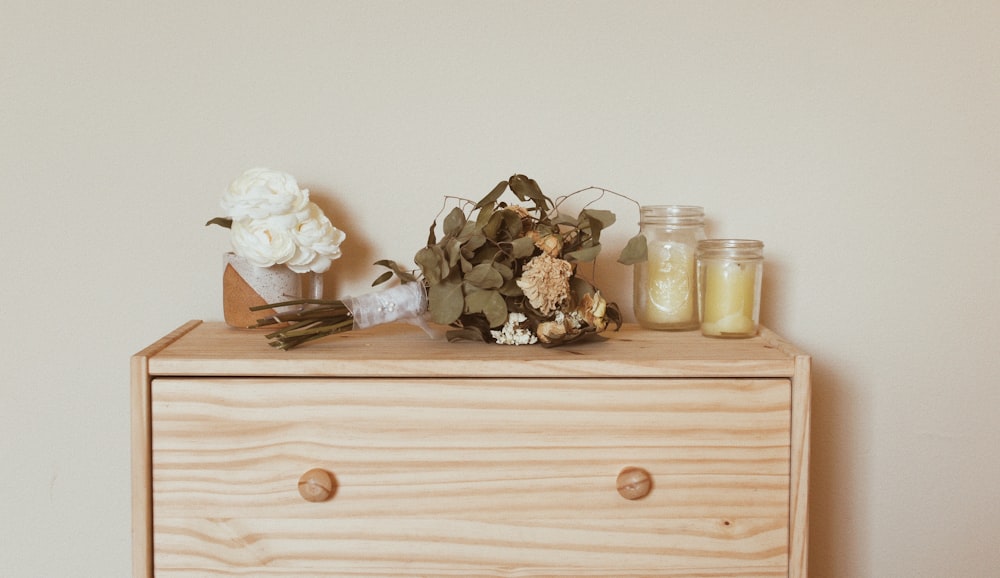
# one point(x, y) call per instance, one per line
point(512, 333)
point(261, 193)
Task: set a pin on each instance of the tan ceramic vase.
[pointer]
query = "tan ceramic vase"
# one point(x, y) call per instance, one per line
point(245, 285)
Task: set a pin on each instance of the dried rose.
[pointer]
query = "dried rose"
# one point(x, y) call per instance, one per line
point(551, 331)
point(593, 309)
point(551, 245)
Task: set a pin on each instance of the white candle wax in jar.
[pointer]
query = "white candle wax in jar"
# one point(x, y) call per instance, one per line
point(671, 285)
point(729, 279)
point(665, 288)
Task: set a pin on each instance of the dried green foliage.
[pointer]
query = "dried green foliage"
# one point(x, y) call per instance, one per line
point(475, 273)
point(635, 251)
point(221, 221)
point(504, 273)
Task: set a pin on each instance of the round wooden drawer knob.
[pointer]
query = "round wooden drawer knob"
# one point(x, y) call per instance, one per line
point(317, 485)
point(634, 483)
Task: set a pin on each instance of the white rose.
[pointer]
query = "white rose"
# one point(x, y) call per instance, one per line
point(261, 193)
point(318, 241)
point(264, 242)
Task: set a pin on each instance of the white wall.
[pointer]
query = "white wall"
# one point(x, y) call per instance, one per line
point(859, 140)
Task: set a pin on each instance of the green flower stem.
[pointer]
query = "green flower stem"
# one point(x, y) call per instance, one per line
point(323, 302)
point(323, 318)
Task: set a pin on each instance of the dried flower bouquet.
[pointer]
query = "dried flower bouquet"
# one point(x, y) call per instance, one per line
point(499, 273)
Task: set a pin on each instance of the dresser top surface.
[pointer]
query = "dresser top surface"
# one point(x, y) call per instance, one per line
point(401, 350)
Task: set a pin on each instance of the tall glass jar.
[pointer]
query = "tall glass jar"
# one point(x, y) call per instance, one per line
point(664, 288)
point(729, 278)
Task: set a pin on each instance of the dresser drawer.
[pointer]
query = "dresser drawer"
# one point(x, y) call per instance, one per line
point(463, 477)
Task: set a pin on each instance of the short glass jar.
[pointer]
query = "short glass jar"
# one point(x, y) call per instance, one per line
point(664, 287)
point(729, 279)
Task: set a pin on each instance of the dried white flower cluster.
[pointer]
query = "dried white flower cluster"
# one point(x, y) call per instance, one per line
point(545, 282)
point(512, 333)
point(275, 223)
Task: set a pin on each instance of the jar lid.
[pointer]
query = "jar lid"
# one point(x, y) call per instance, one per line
point(671, 214)
point(731, 249)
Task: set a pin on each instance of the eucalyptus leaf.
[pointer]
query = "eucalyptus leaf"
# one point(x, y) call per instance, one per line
point(526, 188)
point(404, 275)
point(432, 233)
point(382, 278)
point(605, 218)
point(454, 222)
point(496, 310)
point(446, 301)
point(444, 260)
point(635, 251)
point(544, 229)
point(512, 224)
point(452, 252)
point(511, 289)
point(505, 271)
point(583, 255)
point(488, 252)
point(519, 186)
point(484, 276)
point(470, 247)
point(476, 299)
point(469, 229)
point(483, 217)
point(221, 221)
point(489, 303)
point(580, 286)
point(492, 227)
point(595, 221)
point(492, 196)
point(522, 247)
point(429, 263)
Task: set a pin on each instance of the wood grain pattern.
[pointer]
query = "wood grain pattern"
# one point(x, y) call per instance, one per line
point(141, 442)
point(799, 459)
point(412, 427)
point(402, 350)
point(471, 477)
point(799, 491)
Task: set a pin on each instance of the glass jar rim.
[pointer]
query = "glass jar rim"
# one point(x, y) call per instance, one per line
point(731, 248)
point(678, 210)
point(671, 215)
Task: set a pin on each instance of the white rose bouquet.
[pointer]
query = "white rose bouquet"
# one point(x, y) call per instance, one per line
point(273, 222)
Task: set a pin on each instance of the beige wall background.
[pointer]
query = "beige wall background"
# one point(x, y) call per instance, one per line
point(859, 140)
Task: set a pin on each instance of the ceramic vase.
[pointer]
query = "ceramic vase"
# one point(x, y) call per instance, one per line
point(245, 285)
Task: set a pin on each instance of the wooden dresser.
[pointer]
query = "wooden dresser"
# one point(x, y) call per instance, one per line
point(386, 453)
